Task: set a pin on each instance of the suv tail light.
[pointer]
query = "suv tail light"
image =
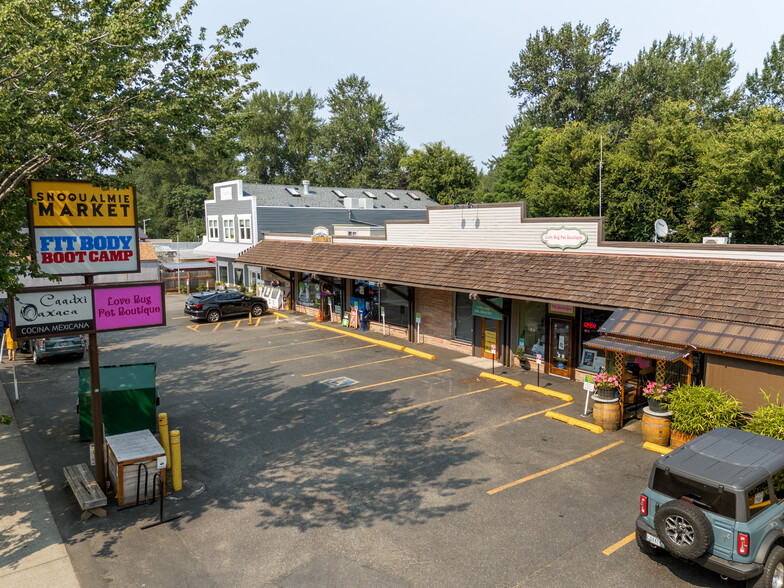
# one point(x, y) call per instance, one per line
point(197, 306)
point(743, 543)
point(643, 505)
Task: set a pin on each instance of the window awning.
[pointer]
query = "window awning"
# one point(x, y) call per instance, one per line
point(639, 348)
point(218, 249)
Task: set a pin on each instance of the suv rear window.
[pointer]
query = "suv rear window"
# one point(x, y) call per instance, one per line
point(707, 497)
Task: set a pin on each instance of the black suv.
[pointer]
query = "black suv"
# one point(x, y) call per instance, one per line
point(719, 502)
point(215, 305)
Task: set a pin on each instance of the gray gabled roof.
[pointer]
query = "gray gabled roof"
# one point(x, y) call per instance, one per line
point(326, 197)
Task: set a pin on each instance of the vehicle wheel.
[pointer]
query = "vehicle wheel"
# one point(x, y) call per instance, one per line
point(684, 529)
point(36, 357)
point(773, 574)
point(646, 547)
point(257, 310)
point(213, 316)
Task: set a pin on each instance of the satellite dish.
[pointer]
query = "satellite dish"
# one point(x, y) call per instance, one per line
point(660, 228)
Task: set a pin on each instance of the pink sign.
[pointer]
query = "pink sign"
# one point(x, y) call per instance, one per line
point(126, 307)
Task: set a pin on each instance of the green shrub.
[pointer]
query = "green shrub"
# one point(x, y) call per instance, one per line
point(201, 287)
point(699, 409)
point(5, 419)
point(183, 289)
point(768, 419)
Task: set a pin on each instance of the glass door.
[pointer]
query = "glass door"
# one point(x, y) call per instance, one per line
point(489, 338)
point(561, 347)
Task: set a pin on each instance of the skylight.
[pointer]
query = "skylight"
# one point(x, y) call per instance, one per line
point(338, 193)
point(369, 194)
point(392, 196)
point(293, 191)
point(413, 196)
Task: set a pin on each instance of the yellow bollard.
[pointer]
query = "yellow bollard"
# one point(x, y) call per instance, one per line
point(176, 464)
point(163, 431)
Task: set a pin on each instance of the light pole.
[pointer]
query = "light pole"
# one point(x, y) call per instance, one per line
point(144, 225)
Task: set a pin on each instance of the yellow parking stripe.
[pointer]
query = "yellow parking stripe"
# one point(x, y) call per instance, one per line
point(216, 327)
point(194, 327)
point(291, 344)
point(398, 380)
point(616, 546)
point(177, 318)
point(521, 418)
point(340, 369)
point(554, 469)
point(258, 320)
point(444, 399)
point(318, 354)
point(237, 324)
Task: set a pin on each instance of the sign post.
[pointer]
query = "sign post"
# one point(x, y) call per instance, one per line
point(492, 352)
point(538, 367)
point(588, 386)
point(418, 322)
point(383, 322)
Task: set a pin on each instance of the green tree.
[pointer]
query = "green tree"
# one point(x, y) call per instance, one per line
point(278, 136)
point(652, 174)
point(558, 74)
point(85, 85)
point(509, 175)
point(677, 69)
point(358, 146)
point(740, 189)
point(565, 178)
point(766, 87)
point(441, 173)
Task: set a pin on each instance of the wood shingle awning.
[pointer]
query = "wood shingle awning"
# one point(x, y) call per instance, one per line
point(639, 348)
point(748, 292)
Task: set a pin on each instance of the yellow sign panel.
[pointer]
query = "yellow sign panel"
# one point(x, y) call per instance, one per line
point(80, 204)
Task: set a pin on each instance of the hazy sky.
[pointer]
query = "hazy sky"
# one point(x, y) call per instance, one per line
point(442, 66)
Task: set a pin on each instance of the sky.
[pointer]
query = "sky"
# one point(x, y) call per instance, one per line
point(442, 66)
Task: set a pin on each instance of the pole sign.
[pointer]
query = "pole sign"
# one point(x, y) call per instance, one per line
point(56, 311)
point(78, 228)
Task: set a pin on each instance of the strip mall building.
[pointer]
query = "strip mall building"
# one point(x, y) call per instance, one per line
point(487, 279)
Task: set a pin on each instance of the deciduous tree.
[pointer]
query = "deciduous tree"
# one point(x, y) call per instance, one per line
point(441, 173)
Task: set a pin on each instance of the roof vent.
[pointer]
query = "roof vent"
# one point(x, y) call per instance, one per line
point(293, 191)
point(305, 187)
point(716, 240)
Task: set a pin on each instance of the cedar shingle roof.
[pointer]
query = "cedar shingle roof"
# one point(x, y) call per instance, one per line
point(733, 291)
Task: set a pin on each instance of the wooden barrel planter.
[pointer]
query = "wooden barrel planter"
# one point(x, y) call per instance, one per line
point(677, 438)
point(607, 413)
point(656, 427)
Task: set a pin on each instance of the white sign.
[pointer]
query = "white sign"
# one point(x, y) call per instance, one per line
point(492, 349)
point(589, 386)
point(50, 312)
point(161, 462)
point(80, 250)
point(539, 358)
point(564, 238)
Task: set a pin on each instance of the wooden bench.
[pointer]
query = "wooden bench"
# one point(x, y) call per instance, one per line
point(89, 495)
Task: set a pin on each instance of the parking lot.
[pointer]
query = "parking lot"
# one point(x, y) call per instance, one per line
point(311, 457)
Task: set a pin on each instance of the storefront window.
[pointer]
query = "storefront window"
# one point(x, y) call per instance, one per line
point(365, 296)
point(395, 307)
point(592, 360)
point(332, 290)
point(309, 291)
point(464, 318)
point(532, 328)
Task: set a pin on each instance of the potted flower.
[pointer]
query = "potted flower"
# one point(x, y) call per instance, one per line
point(520, 354)
point(656, 393)
point(606, 385)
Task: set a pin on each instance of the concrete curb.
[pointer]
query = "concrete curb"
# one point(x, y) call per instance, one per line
point(503, 380)
point(548, 392)
point(575, 422)
point(657, 448)
point(395, 346)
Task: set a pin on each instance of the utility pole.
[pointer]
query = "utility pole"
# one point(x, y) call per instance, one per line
point(601, 152)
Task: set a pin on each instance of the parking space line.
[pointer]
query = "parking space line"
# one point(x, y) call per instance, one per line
point(356, 366)
point(177, 318)
point(521, 418)
point(292, 344)
point(616, 546)
point(195, 327)
point(318, 354)
point(554, 468)
point(258, 320)
point(216, 327)
point(237, 324)
point(444, 399)
point(398, 380)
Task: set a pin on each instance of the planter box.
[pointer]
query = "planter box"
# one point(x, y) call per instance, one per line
point(677, 438)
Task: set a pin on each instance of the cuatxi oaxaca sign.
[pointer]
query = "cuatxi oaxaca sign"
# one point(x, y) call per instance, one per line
point(78, 228)
point(60, 310)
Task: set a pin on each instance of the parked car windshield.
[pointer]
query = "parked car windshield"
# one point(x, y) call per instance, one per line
point(705, 496)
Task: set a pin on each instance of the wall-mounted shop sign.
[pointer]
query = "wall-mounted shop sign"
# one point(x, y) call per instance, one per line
point(79, 229)
point(321, 235)
point(481, 309)
point(564, 238)
point(564, 309)
point(48, 312)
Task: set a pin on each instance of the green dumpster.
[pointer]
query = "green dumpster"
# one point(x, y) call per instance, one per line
point(129, 396)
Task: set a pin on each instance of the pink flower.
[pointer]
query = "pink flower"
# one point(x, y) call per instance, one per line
point(655, 390)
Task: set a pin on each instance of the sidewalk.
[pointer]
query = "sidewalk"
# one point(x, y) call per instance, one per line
point(32, 552)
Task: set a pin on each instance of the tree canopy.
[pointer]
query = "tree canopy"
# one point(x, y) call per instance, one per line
point(440, 172)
